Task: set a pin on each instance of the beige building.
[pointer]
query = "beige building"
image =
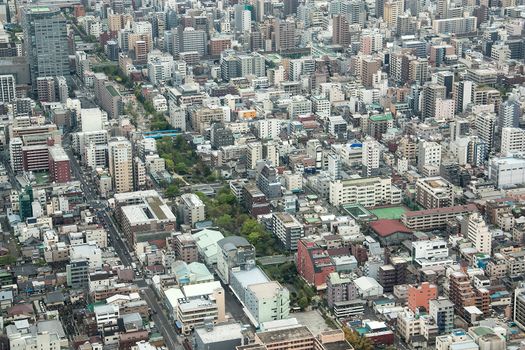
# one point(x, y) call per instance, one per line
point(434, 192)
point(121, 164)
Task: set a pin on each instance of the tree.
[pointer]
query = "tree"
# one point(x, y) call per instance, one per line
point(357, 341)
point(172, 191)
point(303, 303)
point(170, 164)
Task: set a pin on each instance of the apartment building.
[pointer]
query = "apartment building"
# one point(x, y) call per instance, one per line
point(202, 303)
point(287, 229)
point(121, 164)
point(185, 248)
point(267, 301)
point(368, 192)
point(442, 311)
point(512, 140)
point(434, 192)
point(191, 209)
point(431, 219)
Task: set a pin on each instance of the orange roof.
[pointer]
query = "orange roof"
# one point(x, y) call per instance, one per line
point(386, 228)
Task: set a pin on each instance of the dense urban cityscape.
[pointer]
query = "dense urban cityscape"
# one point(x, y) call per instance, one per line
point(262, 175)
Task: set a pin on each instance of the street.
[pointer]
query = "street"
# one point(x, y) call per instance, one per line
point(115, 239)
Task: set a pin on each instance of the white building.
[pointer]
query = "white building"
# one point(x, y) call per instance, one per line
point(368, 287)
point(106, 316)
point(371, 156)
point(429, 249)
point(267, 301)
point(92, 119)
point(160, 67)
point(429, 153)
point(369, 192)
point(192, 209)
point(512, 140)
point(478, 233)
point(269, 128)
point(507, 171)
point(7, 88)
point(299, 105)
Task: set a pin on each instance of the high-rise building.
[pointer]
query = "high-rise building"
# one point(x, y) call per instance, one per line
point(191, 209)
point(369, 67)
point(371, 156)
point(442, 310)
point(428, 153)
point(45, 38)
point(509, 113)
point(486, 126)
point(7, 88)
point(519, 307)
point(340, 31)
point(458, 25)
point(284, 34)
point(462, 92)
point(431, 93)
point(479, 234)
point(121, 164)
point(392, 10)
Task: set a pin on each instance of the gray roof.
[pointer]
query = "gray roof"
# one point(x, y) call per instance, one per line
point(232, 242)
point(51, 326)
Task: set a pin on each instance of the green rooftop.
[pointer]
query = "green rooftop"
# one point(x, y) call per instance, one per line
point(391, 213)
point(481, 331)
point(381, 117)
point(111, 89)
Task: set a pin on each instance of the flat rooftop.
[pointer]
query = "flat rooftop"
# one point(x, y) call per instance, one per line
point(287, 334)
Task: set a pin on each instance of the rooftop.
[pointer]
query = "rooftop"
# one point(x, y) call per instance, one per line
point(287, 334)
point(385, 228)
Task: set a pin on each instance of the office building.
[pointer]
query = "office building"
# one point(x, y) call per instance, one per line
point(268, 182)
point(77, 272)
point(428, 154)
point(419, 297)
point(463, 91)
point(268, 301)
point(519, 307)
point(392, 9)
point(457, 25)
point(486, 126)
point(46, 44)
point(340, 31)
point(185, 248)
point(371, 157)
point(120, 164)
point(463, 295)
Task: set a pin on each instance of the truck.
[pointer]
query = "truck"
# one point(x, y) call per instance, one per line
point(134, 266)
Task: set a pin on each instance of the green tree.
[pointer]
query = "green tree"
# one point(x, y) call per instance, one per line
point(172, 191)
point(303, 303)
point(170, 164)
point(357, 341)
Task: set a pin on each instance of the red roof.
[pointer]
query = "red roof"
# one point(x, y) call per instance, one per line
point(385, 228)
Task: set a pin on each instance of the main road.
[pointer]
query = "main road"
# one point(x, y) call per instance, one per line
point(160, 319)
